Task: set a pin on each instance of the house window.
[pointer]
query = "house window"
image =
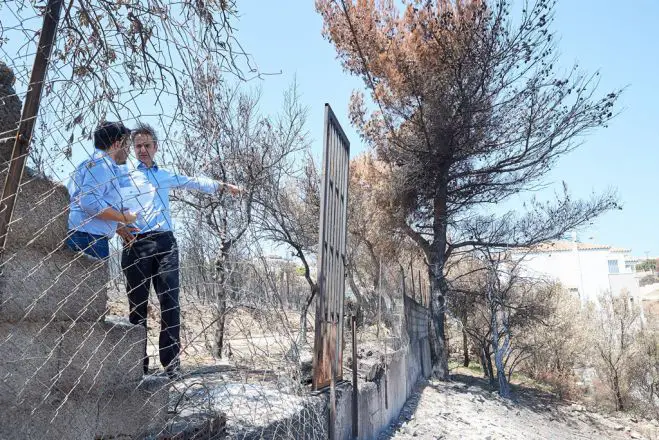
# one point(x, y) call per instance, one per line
point(613, 266)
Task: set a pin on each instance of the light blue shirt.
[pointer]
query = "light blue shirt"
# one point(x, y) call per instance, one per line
point(148, 195)
point(95, 185)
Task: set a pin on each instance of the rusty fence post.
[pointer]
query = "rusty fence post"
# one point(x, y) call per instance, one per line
point(355, 391)
point(28, 118)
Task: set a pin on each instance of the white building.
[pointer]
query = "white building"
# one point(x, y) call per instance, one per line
point(586, 269)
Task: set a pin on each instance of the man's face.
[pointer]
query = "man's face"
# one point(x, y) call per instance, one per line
point(145, 148)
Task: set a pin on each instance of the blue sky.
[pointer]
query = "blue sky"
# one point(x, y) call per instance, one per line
point(617, 38)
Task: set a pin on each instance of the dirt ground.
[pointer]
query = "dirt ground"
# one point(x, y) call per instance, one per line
point(466, 408)
point(254, 339)
point(257, 339)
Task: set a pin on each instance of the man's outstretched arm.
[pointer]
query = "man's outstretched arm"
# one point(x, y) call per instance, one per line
point(202, 184)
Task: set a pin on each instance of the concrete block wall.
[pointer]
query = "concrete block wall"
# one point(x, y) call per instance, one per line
point(55, 286)
point(380, 402)
point(65, 371)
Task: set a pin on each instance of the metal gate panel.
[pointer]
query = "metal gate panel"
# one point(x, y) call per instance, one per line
point(328, 343)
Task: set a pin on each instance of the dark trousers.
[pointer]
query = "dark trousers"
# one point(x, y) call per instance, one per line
point(153, 259)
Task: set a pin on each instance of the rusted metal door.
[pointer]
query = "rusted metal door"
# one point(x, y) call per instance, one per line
point(328, 344)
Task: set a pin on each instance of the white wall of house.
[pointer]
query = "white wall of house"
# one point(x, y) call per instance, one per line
point(586, 270)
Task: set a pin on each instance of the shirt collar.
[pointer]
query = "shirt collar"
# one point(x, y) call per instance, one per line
point(101, 154)
point(141, 166)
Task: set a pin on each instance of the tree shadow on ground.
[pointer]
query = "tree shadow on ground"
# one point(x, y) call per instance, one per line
point(521, 396)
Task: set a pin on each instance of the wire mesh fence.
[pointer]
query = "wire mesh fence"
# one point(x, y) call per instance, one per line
point(190, 326)
point(73, 365)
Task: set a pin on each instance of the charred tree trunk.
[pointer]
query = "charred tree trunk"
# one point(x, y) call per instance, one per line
point(221, 277)
point(620, 406)
point(500, 349)
point(500, 337)
point(484, 363)
point(439, 290)
point(359, 312)
point(465, 348)
point(221, 306)
point(488, 368)
point(302, 335)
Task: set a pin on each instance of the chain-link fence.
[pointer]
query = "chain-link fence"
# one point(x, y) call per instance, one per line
point(383, 321)
point(144, 293)
point(220, 319)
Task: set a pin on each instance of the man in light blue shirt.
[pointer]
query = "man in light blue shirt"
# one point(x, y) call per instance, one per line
point(151, 255)
point(149, 191)
point(95, 208)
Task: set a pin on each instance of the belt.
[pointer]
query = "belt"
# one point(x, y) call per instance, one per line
point(153, 234)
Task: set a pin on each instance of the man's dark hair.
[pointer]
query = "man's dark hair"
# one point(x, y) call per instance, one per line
point(143, 128)
point(107, 133)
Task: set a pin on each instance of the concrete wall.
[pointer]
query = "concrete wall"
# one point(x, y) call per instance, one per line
point(624, 282)
point(379, 402)
point(310, 423)
point(650, 290)
point(586, 270)
point(66, 371)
